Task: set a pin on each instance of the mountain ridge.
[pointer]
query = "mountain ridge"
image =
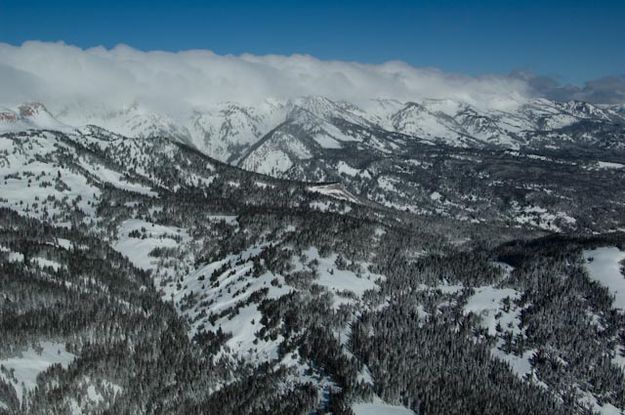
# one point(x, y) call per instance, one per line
point(229, 130)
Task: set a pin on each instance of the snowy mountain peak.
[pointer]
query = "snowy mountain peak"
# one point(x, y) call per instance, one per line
point(8, 116)
point(586, 110)
point(328, 110)
point(29, 116)
point(33, 109)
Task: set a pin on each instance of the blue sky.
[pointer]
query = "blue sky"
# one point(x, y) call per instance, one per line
point(571, 41)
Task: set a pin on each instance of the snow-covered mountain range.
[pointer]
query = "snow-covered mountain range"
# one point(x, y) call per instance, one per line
point(268, 137)
point(393, 153)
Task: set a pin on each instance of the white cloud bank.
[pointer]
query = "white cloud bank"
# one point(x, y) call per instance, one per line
point(60, 75)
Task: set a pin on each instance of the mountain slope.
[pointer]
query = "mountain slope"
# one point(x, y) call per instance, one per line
point(144, 276)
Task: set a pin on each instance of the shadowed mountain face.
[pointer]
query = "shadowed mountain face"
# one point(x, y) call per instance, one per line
point(426, 258)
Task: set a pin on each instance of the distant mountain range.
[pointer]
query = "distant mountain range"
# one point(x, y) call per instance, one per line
point(240, 134)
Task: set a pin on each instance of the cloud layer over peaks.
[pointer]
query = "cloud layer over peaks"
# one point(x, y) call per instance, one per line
point(60, 75)
point(605, 90)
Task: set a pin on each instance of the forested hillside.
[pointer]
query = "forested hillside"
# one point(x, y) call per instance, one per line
point(139, 275)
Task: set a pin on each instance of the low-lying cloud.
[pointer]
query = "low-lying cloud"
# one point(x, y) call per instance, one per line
point(60, 75)
point(606, 90)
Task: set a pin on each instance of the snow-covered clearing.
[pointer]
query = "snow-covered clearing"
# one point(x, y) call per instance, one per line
point(603, 265)
point(541, 217)
point(138, 248)
point(604, 409)
point(487, 302)
point(222, 289)
point(610, 165)
point(435, 196)
point(96, 393)
point(30, 363)
point(520, 365)
point(336, 280)
point(496, 307)
point(225, 294)
point(344, 168)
